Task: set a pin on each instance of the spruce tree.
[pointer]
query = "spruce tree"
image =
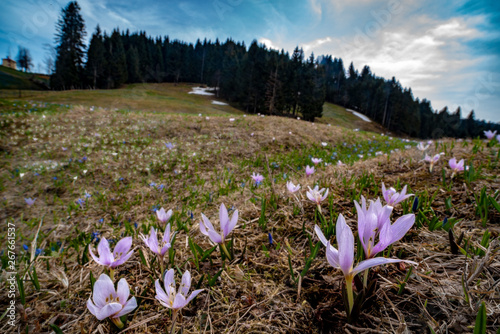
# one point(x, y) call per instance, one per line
point(70, 48)
point(96, 62)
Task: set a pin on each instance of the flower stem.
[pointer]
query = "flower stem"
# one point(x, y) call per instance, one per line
point(365, 278)
point(174, 318)
point(223, 245)
point(112, 274)
point(350, 297)
point(161, 267)
point(118, 323)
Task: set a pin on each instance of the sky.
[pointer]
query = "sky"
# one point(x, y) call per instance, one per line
point(445, 51)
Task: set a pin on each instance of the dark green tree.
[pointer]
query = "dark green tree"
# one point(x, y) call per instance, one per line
point(96, 61)
point(70, 48)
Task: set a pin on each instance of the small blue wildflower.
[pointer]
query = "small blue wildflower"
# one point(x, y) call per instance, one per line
point(270, 239)
point(25, 247)
point(415, 205)
point(54, 178)
point(120, 179)
point(101, 220)
point(169, 145)
point(135, 225)
point(38, 251)
point(152, 184)
point(160, 187)
point(80, 201)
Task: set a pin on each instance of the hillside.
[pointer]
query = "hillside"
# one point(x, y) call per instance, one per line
point(172, 98)
point(13, 79)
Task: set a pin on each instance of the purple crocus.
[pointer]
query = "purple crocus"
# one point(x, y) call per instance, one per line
point(490, 134)
point(432, 160)
point(317, 196)
point(257, 178)
point(291, 187)
point(309, 170)
point(374, 224)
point(30, 201)
point(169, 297)
point(422, 147)
point(152, 241)
point(113, 259)
point(175, 300)
point(107, 302)
point(456, 166)
point(343, 258)
point(316, 160)
point(392, 197)
point(226, 224)
point(163, 216)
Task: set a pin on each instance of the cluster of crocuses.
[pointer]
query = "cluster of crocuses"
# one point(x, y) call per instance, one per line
point(108, 302)
point(375, 232)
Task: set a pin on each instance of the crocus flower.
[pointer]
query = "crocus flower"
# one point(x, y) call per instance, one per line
point(172, 299)
point(432, 160)
point(291, 187)
point(340, 163)
point(316, 196)
point(374, 224)
point(392, 197)
point(226, 224)
point(343, 258)
point(422, 147)
point(490, 134)
point(163, 216)
point(107, 302)
point(152, 241)
point(498, 138)
point(257, 178)
point(309, 170)
point(456, 166)
point(169, 297)
point(113, 259)
point(30, 201)
point(316, 160)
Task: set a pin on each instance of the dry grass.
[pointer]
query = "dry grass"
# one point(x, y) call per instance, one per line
point(255, 293)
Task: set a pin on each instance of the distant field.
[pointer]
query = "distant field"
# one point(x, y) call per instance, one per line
point(12, 79)
point(163, 97)
point(172, 98)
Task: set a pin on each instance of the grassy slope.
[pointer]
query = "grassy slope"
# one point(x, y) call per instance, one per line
point(167, 97)
point(210, 164)
point(13, 79)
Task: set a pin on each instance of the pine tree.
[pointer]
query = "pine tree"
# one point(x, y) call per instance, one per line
point(70, 49)
point(96, 62)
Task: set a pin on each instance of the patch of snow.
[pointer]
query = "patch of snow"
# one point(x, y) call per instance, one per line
point(201, 91)
point(219, 103)
point(363, 117)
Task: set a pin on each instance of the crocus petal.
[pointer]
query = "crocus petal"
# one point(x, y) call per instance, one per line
point(232, 223)
point(122, 247)
point(166, 235)
point(122, 291)
point(96, 259)
point(105, 255)
point(127, 308)
point(320, 235)
point(332, 256)
point(179, 302)
point(223, 217)
point(169, 278)
point(385, 237)
point(185, 283)
point(325, 195)
point(193, 294)
point(207, 225)
point(92, 308)
point(122, 259)
point(103, 288)
point(214, 236)
point(160, 293)
point(153, 240)
point(345, 241)
point(109, 310)
point(363, 265)
point(401, 226)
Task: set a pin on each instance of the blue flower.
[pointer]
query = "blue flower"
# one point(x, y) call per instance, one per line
point(101, 220)
point(25, 247)
point(152, 184)
point(270, 239)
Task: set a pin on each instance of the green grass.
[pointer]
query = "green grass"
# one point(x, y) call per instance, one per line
point(13, 79)
point(337, 115)
point(164, 97)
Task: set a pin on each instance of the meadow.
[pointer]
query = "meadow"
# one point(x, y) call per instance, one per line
point(102, 164)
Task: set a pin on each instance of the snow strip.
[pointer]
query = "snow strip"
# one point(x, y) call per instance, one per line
point(219, 103)
point(363, 117)
point(201, 91)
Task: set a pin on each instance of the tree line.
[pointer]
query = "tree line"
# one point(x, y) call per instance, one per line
point(255, 79)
